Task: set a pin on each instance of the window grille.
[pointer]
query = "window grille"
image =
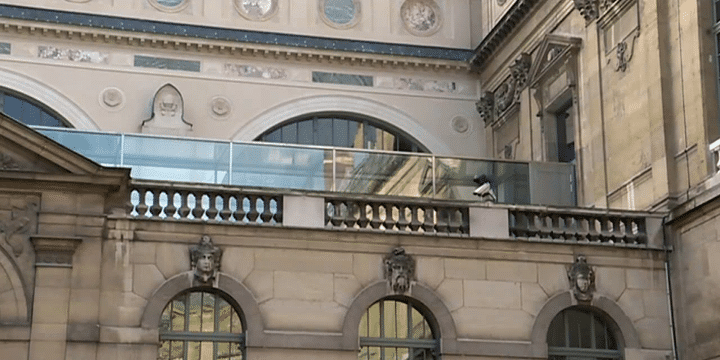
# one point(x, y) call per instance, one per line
point(582, 334)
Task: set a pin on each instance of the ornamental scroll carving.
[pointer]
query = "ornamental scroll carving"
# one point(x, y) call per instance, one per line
point(18, 222)
point(399, 270)
point(592, 9)
point(582, 279)
point(494, 104)
point(205, 260)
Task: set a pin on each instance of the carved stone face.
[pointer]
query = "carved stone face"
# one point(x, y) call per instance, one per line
point(582, 283)
point(205, 260)
point(582, 279)
point(168, 105)
point(399, 270)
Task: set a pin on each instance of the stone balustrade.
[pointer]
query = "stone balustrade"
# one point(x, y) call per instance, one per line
point(221, 204)
point(617, 228)
point(404, 215)
point(173, 201)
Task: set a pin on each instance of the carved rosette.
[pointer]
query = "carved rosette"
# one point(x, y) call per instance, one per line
point(582, 279)
point(399, 270)
point(205, 260)
point(485, 107)
point(587, 8)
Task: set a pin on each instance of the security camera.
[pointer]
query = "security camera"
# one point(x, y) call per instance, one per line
point(484, 191)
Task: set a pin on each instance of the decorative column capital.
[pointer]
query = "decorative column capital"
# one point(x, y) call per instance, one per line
point(54, 251)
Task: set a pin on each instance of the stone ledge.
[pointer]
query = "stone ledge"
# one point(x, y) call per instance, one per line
point(14, 332)
point(83, 332)
point(128, 335)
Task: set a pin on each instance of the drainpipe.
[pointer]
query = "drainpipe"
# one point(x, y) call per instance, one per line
point(668, 292)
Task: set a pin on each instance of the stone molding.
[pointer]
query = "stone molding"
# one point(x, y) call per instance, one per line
point(54, 251)
point(237, 42)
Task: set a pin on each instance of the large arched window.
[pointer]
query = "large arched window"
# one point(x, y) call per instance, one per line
point(341, 130)
point(28, 111)
point(398, 329)
point(580, 333)
point(200, 325)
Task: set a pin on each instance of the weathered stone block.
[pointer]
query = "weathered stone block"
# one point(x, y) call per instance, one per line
point(465, 269)
point(631, 302)
point(533, 298)
point(142, 252)
point(84, 305)
point(146, 279)
point(346, 287)
point(261, 283)
point(238, 262)
point(497, 324)
point(303, 286)
point(553, 278)
point(610, 281)
point(512, 271)
point(299, 315)
point(451, 293)
point(655, 303)
point(14, 349)
point(48, 332)
point(429, 271)
point(53, 277)
point(9, 312)
point(296, 260)
point(81, 351)
point(51, 305)
point(47, 350)
point(645, 279)
point(654, 333)
point(491, 294)
point(172, 259)
point(367, 268)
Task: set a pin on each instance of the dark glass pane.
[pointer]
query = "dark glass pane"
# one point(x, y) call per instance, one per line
point(194, 311)
point(323, 132)
point(178, 314)
point(717, 11)
point(340, 133)
point(289, 134)
point(224, 316)
point(600, 334)
point(305, 132)
point(49, 120)
point(274, 136)
point(389, 142)
point(13, 107)
point(556, 332)
point(32, 115)
point(371, 137)
point(573, 320)
point(585, 332)
point(208, 312)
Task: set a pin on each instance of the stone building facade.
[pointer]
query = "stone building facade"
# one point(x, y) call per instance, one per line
point(596, 118)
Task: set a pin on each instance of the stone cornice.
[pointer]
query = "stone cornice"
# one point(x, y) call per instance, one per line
point(156, 34)
point(501, 31)
point(54, 251)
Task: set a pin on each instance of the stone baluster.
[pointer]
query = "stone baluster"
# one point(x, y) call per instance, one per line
point(198, 211)
point(184, 209)
point(389, 222)
point(170, 209)
point(239, 213)
point(155, 208)
point(266, 215)
point(141, 207)
point(414, 221)
point(225, 212)
point(429, 221)
point(402, 221)
point(278, 216)
point(376, 221)
point(253, 214)
point(336, 219)
point(212, 210)
point(441, 224)
point(363, 220)
point(350, 219)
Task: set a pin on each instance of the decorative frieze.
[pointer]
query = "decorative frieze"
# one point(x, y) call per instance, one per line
point(399, 270)
point(5, 48)
point(582, 279)
point(344, 79)
point(54, 251)
point(7, 162)
point(18, 222)
point(76, 55)
point(205, 259)
point(439, 86)
point(587, 8)
point(494, 104)
point(252, 71)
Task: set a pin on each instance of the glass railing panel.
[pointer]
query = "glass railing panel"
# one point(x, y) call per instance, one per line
point(285, 167)
point(552, 184)
point(159, 158)
point(398, 174)
point(509, 180)
point(102, 148)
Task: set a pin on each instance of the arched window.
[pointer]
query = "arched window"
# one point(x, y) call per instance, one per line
point(29, 111)
point(342, 131)
point(201, 325)
point(397, 329)
point(579, 333)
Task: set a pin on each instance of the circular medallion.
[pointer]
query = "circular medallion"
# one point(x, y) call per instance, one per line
point(169, 5)
point(340, 14)
point(420, 17)
point(220, 107)
point(460, 124)
point(258, 10)
point(112, 98)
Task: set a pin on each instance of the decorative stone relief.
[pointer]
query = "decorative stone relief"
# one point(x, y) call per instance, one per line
point(112, 98)
point(340, 14)
point(54, 251)
point(587, 8)
point(18, 222)
point(505, 95)
point(258, 10)
point(8, 163)
point(205, 259)
point(167, 117)
point(255, 71)
point(220, 107)
point(624, 52)
point(53, 53)
point(486, 106)
point(582, 279)
point(420, 17)
point(520, 70)
point(501, 2)
point(427, 85)
point(399, 270)
point(169, 5)
point(460, 124)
